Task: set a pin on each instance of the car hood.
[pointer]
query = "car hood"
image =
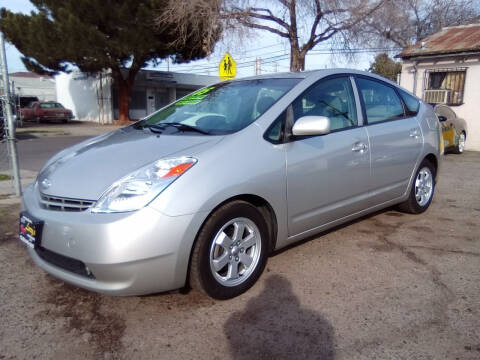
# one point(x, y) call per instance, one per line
point(87, 170)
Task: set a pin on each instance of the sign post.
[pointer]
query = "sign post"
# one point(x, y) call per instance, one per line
point(227, 68)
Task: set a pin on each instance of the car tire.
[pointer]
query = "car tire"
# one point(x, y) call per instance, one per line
point(422, 191)
point(230, 252)
point(460, 147)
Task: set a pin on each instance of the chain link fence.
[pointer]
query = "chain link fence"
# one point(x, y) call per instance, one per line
point(6, 174)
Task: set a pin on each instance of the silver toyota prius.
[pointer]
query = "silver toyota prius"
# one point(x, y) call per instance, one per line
point(202, 191)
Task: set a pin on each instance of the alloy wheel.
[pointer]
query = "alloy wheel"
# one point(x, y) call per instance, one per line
point(461, 143)
point(423, 186)
point(235, 251)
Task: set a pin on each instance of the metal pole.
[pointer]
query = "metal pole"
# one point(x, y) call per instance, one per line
point(12, 144)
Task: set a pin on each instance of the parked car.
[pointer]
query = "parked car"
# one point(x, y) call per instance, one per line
point(25, 101)
point(454, 129)
point(200, 192)
point(45, 111)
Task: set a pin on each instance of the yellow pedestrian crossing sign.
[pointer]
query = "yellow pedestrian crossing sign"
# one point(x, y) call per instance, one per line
point(227, 68)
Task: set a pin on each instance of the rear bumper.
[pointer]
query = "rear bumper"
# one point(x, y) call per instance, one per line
point(123, 254)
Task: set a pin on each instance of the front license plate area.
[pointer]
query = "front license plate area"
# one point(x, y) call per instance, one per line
point(30, 230)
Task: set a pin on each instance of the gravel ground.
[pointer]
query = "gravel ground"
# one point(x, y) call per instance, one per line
point(389, 286)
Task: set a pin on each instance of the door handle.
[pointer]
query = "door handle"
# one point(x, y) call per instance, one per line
point(359, 147)
point(414, 133)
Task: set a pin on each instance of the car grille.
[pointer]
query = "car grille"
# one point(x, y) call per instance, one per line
point(64, 262)
point(64, 204)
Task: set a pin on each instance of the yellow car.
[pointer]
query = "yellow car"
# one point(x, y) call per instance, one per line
point(454, 129)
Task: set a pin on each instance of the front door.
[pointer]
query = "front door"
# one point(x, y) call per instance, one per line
point(327, 175)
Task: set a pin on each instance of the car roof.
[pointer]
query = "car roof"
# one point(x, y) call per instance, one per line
point(323, 73)
point(316, 73)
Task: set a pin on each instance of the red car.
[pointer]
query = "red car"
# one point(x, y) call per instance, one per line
point(45, 111)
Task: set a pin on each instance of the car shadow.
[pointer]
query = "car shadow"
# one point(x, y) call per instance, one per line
point(390, 211)
point(274, 325)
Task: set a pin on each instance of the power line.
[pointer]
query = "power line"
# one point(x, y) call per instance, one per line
point(252, 57)
point(266, 60)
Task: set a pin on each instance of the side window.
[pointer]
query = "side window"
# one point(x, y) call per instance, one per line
point(275, 132)
point(411, 102)
point(332, 98)
point(381, 101)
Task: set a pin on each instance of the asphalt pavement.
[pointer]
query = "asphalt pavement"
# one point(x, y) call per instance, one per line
point(33, 152)
point(37, 143)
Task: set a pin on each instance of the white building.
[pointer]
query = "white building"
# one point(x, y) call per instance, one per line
point(94, 98)
point(445, 68)
point(31, 84)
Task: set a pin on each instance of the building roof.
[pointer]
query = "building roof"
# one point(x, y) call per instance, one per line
point(27, 74)
point(450, 40)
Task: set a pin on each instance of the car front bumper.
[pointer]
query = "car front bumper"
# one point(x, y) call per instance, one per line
point(131, 253)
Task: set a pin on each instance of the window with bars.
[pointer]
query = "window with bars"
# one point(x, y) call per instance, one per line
point(445, 86)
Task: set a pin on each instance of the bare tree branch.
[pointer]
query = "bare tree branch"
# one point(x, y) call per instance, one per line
point(324, 19)
point(404, 22)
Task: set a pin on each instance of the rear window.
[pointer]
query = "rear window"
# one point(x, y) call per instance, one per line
point(381, 101)
point(411, 102)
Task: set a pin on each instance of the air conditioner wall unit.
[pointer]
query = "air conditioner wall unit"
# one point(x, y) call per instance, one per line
point(437, 96)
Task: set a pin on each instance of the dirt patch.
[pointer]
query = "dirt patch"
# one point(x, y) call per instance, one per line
point(420, 228)
point(394, 214)
point(365, 231)
point(86, 318)
point(8, 229)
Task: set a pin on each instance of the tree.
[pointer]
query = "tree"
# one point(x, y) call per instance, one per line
point(95, 35)
point(304, 23)
point(386, 66)
point(405, 22)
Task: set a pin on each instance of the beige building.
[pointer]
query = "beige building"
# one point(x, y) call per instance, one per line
point(444, 68)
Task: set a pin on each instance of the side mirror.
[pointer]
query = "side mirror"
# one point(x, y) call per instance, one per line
point(311, 125)
point(442, 118)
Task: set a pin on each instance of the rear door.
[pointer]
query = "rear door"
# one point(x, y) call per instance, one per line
point(395, 139)
point(327, 175)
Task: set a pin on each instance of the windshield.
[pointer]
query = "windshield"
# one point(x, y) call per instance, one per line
point(223, 108)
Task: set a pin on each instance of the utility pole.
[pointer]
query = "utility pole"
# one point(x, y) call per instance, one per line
point(258, 66)
point(12, 144)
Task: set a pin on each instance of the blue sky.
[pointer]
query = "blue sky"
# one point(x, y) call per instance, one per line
point(270, 48)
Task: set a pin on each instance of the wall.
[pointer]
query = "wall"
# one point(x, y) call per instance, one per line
point(89, 97)
point(469, 109)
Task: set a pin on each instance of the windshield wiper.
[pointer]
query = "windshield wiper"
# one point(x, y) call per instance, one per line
point(158, 128)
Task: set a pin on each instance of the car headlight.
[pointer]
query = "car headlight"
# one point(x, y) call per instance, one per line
point(139, 188)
